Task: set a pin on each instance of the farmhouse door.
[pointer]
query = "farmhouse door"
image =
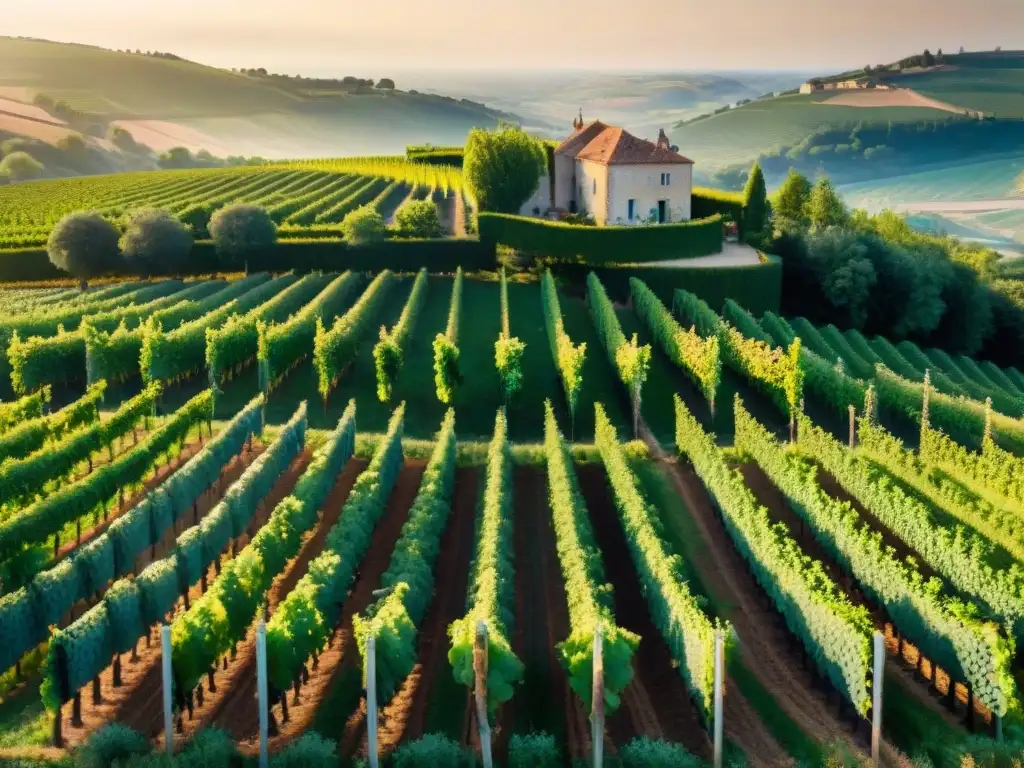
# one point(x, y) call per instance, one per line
point(662, 211)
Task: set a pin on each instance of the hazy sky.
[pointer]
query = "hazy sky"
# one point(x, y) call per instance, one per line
point(362, 37)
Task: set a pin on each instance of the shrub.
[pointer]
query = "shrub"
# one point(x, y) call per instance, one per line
point(363, 225)
point(643, 752)
point(418, 218)
point(536, 750)
point(431, 750)
point(155, 242)
point(111, 743)
point(311, 751)
point(20, 166)
point(210, 748)
point(83, 244)
point(241, 229)
point(197, 218)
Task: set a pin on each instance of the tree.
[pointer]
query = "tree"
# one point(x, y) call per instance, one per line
point(961, 49)
point(240, 229)
point(927, 60)
point(44, 102)
point(73, 144)
point(155, 242)
point(791, 201)
point(418, 218)
point(20, 166)
point(176, 157)
point(83, 244)
point(756, 217)
point(825, 208)
point(123, 140)
point(386, 83)
point(503, 167)
point(363, 225)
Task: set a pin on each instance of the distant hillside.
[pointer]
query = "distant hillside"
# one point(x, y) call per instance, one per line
point(953, 84)
point(168, 101)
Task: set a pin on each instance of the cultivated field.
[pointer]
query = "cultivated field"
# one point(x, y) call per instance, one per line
point(340, 500)
point(309, 198)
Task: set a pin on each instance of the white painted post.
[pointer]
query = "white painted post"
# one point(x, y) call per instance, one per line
point(719, 686)
point(165, 652)
point(371, 699)
point(261, 689)
point(876, 704)
point(480, 693)
point(597, 701)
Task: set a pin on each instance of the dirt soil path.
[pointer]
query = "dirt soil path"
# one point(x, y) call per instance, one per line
point(656, 703)
point(341, 651)
point(405, 717)
point(763, 640)
point(140, 678)
point(544, 701)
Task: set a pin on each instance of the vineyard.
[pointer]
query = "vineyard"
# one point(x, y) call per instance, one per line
point(444, 521)
point(305, 199)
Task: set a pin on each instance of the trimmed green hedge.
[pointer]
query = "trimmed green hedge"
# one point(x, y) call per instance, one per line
point(299, 255)
point(596, 246)
point(705, 201)
point(757, 287)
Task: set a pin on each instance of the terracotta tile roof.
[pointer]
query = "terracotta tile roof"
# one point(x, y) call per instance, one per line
point(580, 138)
point(615, 146)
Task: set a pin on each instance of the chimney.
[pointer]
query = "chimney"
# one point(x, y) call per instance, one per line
point(663, 140)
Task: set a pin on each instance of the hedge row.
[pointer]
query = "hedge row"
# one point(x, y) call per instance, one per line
point(300, 255)
point(705, 202)
point(597, 246)
point(757, 287)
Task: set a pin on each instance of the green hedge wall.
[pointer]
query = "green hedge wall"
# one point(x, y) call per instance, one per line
point(757, 287)
point(705, 202)
point(299, 255)
point(602, 245)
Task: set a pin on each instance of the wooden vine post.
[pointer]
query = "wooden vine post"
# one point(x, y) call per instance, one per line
point(480, 693)
point(597, 701)
point(261, 690)
point(719, 687)
point(165, 664)
point(371, 701)
point(876, 705)
point(853, 427)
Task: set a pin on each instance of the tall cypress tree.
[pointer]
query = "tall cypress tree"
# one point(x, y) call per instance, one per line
point(756, 216)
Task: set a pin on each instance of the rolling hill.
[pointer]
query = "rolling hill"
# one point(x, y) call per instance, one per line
point(167, 101)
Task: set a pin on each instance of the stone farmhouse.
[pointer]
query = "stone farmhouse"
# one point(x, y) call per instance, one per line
point(617, 178)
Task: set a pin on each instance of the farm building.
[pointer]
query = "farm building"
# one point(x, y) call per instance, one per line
point(619, 178)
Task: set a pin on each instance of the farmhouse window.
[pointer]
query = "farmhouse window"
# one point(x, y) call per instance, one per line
point(666, 179)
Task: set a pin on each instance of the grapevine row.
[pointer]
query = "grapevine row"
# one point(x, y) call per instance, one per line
point(836, 633)
point(282, 346)
point(490, 596)
point(969, 649)
point(590, 608)
point(387, 354)
point(568, 357)
point(335, 349)
point(394, 619)
point(305, 620)
point(447, 375)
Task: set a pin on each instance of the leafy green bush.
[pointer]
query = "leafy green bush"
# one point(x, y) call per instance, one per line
point(83, 244)
point(643, 752)
point(534, 750)
point(433, 750)
point(154, 242)
point(387, 354)
point(310, 751)
point(447, 375)
point(418, 218)
point(363, 225)
point(111, 743)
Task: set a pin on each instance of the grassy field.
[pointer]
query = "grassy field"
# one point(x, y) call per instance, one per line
point(982, 180)
point(992, 83)
point(741, 134)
